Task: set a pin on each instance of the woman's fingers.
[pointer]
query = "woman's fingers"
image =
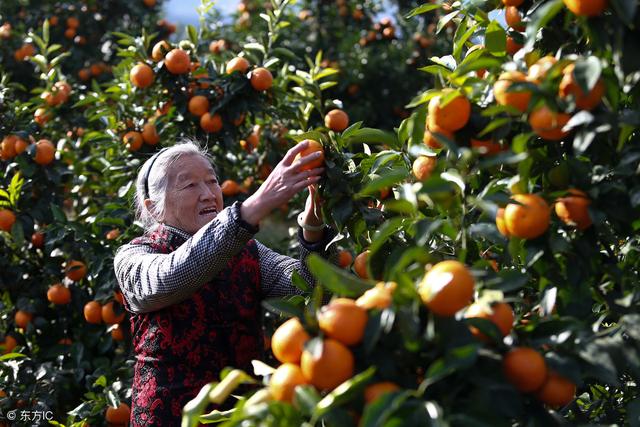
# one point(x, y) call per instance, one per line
point(304, 160)
point(301, 185)
point(293, 152)
point(308, 173)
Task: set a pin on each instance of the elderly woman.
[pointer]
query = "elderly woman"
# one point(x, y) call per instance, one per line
point(194, 281)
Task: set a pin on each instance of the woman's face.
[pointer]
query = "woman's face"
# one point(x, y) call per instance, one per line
point(194, 196)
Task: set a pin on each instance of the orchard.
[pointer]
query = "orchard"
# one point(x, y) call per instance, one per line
point(482, 175)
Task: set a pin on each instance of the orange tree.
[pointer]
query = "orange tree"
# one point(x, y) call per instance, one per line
point(506, 261)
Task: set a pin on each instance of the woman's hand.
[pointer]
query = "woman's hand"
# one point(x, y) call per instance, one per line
point(282, 184)
point(312, 215)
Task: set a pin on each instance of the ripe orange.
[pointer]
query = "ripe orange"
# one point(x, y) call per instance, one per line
point(333, 365)
point(59, 294)
point(93, 312)
point(548, 124)
point(586, 7)
point(217, 46)
point(487, 147)
point(73, 22)
point(513, 17)
point(380, 296)
point(343, 320)
point(8, 148)
point(109, 315)
point(500, 313)
point(261, 79)
point(42, 116)
point(501, 224)
point(344, 258)
point(569, 86)
point(238, 120)
point(230, 188)
point(211, 123)
point(198, 105)
point(287, 342)
point(177, 61)
point(512, 46)
point(150, 134)
point(7, 219)
point(454, 115)
point(284, 381)
point(557, 391)
point(75, 270)
point(515, 3)
point(119, 415)
point(525, 368)
point(573, 209)
point(133, 140)
point(9, 344)
point(117, 333)
point(360, 264)
point(528, 218)
point(159, 50)
point(517, 99)
point(45, 152)
point(117, 295)
point(21, 145)
point(37, 239)
point(84, 74)
point(149, 3)
point(336, 120)
point(311, 148)
point(141, 75)
point(447, 287)
point(538, 71)
point(237, 64)
point(423, 166)
point(374, 391)
point(23, 318)
point(254, 137)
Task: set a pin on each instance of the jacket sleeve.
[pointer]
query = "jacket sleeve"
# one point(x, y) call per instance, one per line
point(151, 281)
point(276, 269)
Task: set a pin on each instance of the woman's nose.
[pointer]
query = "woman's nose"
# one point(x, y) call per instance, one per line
point(206, 193)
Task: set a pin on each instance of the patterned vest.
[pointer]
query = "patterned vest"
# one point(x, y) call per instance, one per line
point(182, 347)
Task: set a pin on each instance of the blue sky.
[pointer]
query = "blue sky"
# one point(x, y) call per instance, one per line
point(184, 11)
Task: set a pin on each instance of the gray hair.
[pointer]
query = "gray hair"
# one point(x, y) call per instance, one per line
point(158, 180)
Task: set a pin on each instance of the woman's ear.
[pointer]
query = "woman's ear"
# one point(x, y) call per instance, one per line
point(148, 204)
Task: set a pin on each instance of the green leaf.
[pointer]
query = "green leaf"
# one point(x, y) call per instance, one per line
point(377, 413)
point(254, 46)
point(327, 85)
point(508, 281)
point(626, 10)
point(495, 38)
point(325, 73)
point(193, 34)
point(423, 98)
point(388, 179)
point(373, 136)
point(283, 307)
point(306, 397)
point(337, 280)
point(587, 72)
point(345, 392)
point(446, 19)
point(427, 7)
point(539, 19)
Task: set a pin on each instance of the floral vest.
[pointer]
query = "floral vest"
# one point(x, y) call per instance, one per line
point(182, 347)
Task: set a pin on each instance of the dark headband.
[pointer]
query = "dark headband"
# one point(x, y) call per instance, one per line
point(148, 172)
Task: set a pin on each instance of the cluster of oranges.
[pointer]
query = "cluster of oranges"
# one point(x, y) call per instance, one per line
point(14, 145)
point(383, 30)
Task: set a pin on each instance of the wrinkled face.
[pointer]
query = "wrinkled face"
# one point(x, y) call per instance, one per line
point(193, 195)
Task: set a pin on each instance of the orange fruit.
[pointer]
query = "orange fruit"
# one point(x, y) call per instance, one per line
point(331, 367)
point(557, 391)
point(75, 270)
point(287, 342)
point(119, 415)
point(344, 258)
point(586, 7)
point(517, 99)
point(446, 288)
point(211, 123)
point(343, 320)
point(528, 218)
point(84, 74)
point(238, 120)
point(538, 71)
point(9, 344)
point(500, 313)
point(45, 152)
point(117, 295)
point(198, 105)
point(548, 124)
point(150, 134)
point(525, 368)
point(8, 148)
point(177, 61)
point(141, 75)
point(513, 17)
point(42, 116)
point(336, 120)
point(573, 209)
point(109, 315)
point(217, 46)
point(59, 294)
point(254, 137)
point(159, 50)
point(570, 87)
point(487, 147)
point(237, 64)
point(311, 148)
point(93, 312)
point(7, 219)
point(423, 166)
point(452, 116)
point(149, 3)
point(380, 296)
point(501, 224)
point(284, 381)
point(133, 140)
point(21, 145)
point(230, 188)
point(23, 318)
point(261, 79)
point(374, 391)
point(360, 264)
point(515, 3)
point(117, 333)
point(512, 46)
point(37, 239)
point(73, 22)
